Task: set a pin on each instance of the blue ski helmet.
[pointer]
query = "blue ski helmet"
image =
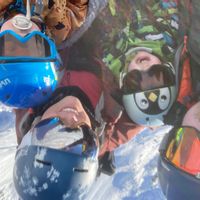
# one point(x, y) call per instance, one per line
point(30, 69)
point(55, 162)
point(179, 164)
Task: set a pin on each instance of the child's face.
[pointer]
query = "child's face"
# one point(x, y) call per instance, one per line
point(143, 61)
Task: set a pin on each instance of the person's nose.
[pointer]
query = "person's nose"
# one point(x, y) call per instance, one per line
point(146, 63)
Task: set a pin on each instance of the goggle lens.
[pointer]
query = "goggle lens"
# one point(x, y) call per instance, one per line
point(137, 81)
point(183, 150)
point(33, 45)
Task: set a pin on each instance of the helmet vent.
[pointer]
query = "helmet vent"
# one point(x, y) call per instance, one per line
point(80, 170)
point(43, 162)
point(7, 96)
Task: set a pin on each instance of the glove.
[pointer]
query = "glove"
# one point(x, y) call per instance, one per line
point(107, 163)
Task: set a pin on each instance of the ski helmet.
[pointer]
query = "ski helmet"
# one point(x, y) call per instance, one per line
point(55, 162)
point(149, 106)
point(30, 69)
point(179, 164)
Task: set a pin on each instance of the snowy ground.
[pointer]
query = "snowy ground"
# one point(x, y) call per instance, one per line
point(135, 177)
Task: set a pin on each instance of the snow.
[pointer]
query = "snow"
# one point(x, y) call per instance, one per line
point(136, 162)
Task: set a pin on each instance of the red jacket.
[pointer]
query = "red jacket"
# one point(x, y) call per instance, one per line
point(119, 133)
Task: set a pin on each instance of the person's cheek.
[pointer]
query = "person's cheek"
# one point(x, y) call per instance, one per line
point(155, 60)
point(132, 66)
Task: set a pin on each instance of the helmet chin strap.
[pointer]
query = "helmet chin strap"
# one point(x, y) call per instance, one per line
point(22, 22)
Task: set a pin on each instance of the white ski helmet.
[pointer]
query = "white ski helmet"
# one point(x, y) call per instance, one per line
point(148, 107)
point(55, 162)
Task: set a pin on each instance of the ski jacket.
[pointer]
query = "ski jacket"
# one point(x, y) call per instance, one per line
point(119, 133)
point(187, 61)
point(60, 17)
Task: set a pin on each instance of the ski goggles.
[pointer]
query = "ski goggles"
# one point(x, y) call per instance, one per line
point(181, 148)
point(34, 46)
point(135, 80)
point(52, 133)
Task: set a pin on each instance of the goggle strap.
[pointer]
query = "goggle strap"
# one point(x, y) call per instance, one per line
point(121, 78)
point(170, 67)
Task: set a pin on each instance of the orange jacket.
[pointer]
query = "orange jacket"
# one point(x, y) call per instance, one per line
point(185, 88)
point(61, 17)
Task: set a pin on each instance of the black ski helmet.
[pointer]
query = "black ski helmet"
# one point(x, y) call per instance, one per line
point(179, 164)
point(55, 162)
